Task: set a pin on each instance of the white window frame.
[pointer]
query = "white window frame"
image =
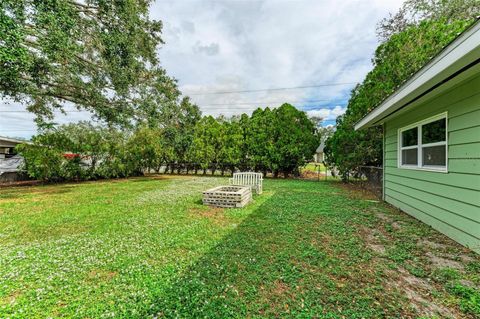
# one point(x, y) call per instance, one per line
point(420, 146)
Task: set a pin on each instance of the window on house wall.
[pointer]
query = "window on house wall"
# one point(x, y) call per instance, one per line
point(423, 145)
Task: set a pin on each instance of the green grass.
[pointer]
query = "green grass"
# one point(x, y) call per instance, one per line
point(146, 247)
point(313, 167)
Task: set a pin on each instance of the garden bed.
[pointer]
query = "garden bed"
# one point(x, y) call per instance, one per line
point(228, 196)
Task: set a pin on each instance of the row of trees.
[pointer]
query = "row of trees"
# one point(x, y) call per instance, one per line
point(276, 140)
point(101, 56)
point(410, 38)
point(279, 140)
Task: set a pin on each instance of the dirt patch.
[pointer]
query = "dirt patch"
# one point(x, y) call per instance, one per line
point(378, 248)
point(216, 214)
point(441, 262)
point(356, 191)
point(418, 292)
point(168, 176)
point(210, 212)
point(397, 225)
point(276, 297)
point(279, 288)
point(466, 258)
point(10, 299)
point(468, 283)
point(371, 239)
point(20, 183)
point(306, 174)
point(384, 217)
point(101, 275)
point(431, 244)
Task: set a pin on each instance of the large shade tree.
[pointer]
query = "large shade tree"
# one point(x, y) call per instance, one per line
point(93, 54)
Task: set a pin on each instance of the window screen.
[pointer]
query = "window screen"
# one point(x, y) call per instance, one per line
point(425, 145)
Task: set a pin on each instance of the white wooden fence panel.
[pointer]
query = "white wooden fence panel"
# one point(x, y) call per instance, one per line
point(252, 179)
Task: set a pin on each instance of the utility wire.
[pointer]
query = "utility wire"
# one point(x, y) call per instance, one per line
point(56, 111)
point(272, 102)
point(274, 89)
point(31, 130)
point(254, 104)
point(229, 92)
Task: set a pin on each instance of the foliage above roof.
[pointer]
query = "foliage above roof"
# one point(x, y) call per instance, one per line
point(409, 43)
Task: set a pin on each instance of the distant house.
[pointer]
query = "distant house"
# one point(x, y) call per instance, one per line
point(431, 144)
point(7, 146)
point(10, 162)
point(318, 157)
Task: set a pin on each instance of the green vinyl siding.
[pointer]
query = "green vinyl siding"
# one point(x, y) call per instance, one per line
point(448, 201)
point(468, 150)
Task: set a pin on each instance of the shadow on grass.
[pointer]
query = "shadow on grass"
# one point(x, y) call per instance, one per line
point(295, 255)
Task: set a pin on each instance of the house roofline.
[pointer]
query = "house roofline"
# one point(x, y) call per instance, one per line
point(12, 140)
point(462, 52)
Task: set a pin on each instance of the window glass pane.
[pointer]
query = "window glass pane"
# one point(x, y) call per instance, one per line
point(409, 157)
point(434, 132)
point(410, 137)
point(434, 156)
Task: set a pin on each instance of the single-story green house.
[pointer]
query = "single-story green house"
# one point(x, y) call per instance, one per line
point(431, 144)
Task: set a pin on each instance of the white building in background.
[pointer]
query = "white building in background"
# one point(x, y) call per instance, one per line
point(10, 162)
point(318, 157)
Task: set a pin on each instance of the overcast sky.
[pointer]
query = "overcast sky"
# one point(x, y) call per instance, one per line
point(218, 46)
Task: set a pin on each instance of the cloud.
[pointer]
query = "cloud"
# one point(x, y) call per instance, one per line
point(270, 44)
point(327, 114)
point(188, 26)
point(249, 45)
point(210, 49)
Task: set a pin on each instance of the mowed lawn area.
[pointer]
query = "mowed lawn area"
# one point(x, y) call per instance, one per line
point(147, 247)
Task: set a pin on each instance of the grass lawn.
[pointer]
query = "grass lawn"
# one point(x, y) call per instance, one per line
point(313, 167)
point(146, 247)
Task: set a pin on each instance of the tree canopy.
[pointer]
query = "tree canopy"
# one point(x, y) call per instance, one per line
point(95, 55)
point(412, 39)
point(276, 141)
